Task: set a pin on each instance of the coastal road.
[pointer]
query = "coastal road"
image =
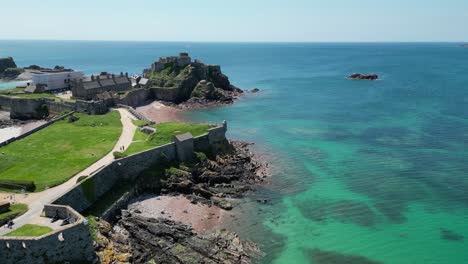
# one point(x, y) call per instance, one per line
point(36, 201)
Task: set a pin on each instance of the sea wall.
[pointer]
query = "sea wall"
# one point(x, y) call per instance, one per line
point(70, 243)
point(84, 194)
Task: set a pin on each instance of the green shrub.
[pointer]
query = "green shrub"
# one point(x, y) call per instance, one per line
point(201, 156)
point(18, 185)
point(119, 155)
point(43, 110)
point(13, 72)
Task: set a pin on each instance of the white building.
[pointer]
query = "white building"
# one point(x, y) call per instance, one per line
point(55, 80)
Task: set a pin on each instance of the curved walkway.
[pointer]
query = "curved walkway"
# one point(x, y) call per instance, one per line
point(36, 201)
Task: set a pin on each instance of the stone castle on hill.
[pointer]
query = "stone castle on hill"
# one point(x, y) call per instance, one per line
point(181, 61)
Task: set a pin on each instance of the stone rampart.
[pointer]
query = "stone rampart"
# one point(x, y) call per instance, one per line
point(84, 194)
point(71, 243)
point(165, 94)
point(27, 108)
point(136, 98)
point(5, 102)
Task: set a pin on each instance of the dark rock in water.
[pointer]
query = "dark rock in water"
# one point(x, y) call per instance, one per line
point(6, 63)
point(255, 90)
point(145, 240)
point(325, 257)
point(450, 235)
point(360, 76)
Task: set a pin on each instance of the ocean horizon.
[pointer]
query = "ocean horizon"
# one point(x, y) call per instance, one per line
point(362, 171)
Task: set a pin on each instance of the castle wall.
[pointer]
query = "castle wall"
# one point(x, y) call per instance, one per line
point(82, 195)
point(165, 94)
point(22, 108)
point(67, 244)
point(136, 98)
point(5, 102)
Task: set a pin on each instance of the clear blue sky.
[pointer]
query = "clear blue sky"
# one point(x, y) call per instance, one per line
point(236, 20)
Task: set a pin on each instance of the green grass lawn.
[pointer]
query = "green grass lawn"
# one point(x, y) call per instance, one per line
point(30, 230)
point(15, 209)
point(165, 133)
point(58, 152)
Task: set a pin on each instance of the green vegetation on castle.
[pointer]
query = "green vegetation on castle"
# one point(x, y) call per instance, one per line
point(57, 153)
point(170, 75)
point(165, 133)
point(30, 230)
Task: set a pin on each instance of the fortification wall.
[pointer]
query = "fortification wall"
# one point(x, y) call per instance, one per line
point(27, 108)
point(22, 108)
point(165, 94)
point(71, 243)
point(84, 194)
point(59, 107)
point(91, 107)
point(136, 98)
point(5, 102)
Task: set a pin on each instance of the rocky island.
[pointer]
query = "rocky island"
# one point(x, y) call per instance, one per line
point(190, 84)
point(360, 76)
point(9, 69)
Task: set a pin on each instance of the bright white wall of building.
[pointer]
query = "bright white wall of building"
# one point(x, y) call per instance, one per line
point(55, 81)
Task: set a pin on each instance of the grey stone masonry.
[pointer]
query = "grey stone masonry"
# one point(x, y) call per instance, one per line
point(184, 146)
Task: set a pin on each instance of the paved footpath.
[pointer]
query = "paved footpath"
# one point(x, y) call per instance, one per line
point(36, 201)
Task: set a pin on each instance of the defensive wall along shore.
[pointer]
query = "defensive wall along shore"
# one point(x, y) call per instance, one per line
point(73, 242)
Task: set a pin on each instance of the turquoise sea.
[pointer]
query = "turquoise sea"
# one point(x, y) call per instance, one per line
point(363, 172)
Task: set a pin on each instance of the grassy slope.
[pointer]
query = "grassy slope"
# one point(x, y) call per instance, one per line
point(30, 230)
point(164, 135)
point(15, 209)
point(56, 153)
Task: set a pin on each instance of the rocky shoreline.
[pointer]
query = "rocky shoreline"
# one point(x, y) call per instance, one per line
point(213, 181)
point(227, 98)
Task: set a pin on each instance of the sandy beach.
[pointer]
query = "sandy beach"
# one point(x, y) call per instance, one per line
point(9, 131)
point(202, 218)
point(160, 113)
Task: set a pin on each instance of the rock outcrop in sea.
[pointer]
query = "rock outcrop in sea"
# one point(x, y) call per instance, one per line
point(195, 84)
point(8, 68)
point(138, 239)
point(360, 76)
